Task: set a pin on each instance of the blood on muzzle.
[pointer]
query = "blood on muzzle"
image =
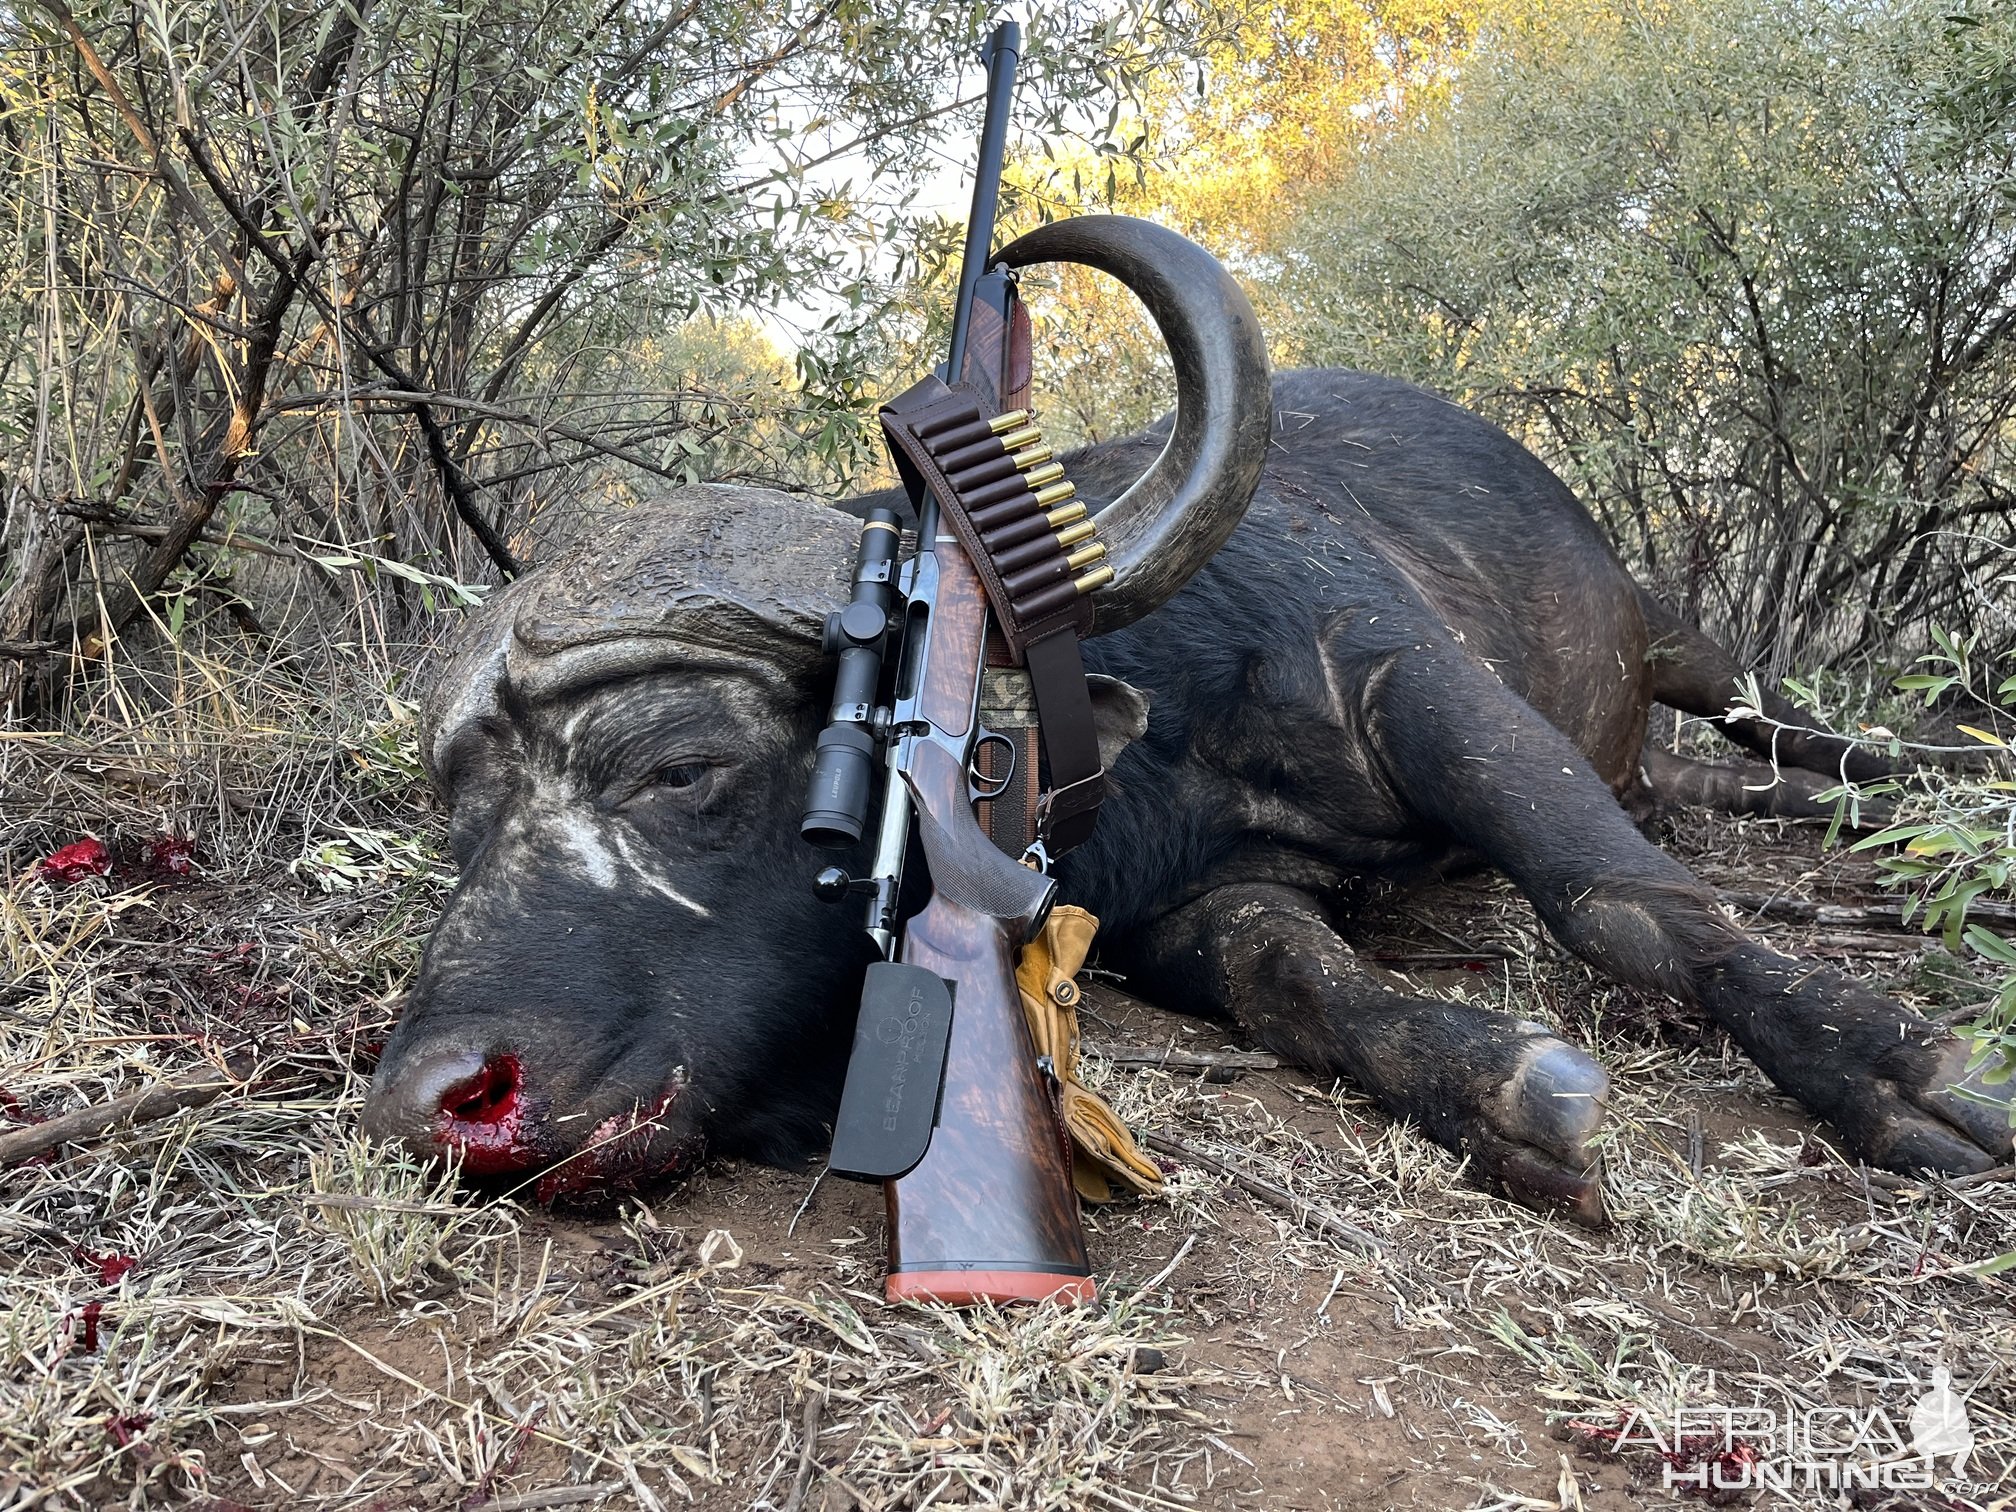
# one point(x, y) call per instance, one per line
point(457, 1101)
point(483, 1116)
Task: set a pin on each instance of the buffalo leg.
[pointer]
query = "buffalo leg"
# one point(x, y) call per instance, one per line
point(1473, 759)
point(1747, 788)
point(1520, 1103)
point(1693, 674)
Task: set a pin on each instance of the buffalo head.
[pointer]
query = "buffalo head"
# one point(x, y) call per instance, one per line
point(633, 965)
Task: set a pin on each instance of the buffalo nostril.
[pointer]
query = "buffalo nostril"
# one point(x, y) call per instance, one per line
point(444, 1100)
point(488, 1097)
point(483, 1116)
point(405, 1100)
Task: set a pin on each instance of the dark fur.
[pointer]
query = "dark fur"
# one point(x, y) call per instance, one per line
point(1419, 651)
point(603, 992)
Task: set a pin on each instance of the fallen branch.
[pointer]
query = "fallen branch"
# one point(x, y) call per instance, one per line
point(145, 1106)
point(815, 1404)
point(1892, 943)
point(1313, 1214)
point(1989, 1177)
point(1854, 915)
point(1170, 1058)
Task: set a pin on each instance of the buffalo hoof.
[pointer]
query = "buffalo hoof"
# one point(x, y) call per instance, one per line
point(1532, 1138)
point(1929, 1114)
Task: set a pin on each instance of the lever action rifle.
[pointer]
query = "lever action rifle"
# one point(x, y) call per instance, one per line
point(945, 1100)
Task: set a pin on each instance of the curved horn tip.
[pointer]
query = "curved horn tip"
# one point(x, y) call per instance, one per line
point(1167, 526)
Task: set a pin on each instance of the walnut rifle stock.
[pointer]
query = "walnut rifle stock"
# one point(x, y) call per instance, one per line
point(980, 1197)
point(989, 1214)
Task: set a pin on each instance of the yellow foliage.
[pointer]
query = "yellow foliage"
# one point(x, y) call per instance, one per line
point(1279, 112)
point(1287, 105)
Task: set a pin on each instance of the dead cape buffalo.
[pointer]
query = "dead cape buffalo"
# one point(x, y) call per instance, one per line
point(1413, 650)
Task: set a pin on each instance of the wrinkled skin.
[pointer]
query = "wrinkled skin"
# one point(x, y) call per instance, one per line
point(1417, 652)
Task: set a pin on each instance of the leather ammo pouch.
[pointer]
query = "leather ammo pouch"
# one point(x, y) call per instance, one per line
point(943, 442)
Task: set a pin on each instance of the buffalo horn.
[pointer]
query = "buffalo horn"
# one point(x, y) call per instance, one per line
point(1179, 512)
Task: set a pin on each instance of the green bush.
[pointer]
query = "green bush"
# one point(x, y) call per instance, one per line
point(1742, 274)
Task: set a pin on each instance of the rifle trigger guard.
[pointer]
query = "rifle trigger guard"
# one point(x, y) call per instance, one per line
point(977, 782)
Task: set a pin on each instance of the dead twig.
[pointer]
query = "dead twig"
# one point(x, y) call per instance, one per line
point(1313, 1214)
point(560, 1496)
point(815, 1404)
point(810, 1193)
point(1891, 944)
point(1853, 915)
point(1170, 1269)
point(1989, 1177)
point(1169, 1058)
point(354, 1203)
point(145, 1106)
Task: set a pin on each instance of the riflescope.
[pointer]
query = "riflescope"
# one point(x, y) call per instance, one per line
point(844, 768)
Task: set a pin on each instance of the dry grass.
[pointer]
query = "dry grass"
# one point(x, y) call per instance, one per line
point(311, 1323)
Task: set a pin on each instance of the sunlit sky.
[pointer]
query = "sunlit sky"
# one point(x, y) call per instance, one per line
point(945, 188)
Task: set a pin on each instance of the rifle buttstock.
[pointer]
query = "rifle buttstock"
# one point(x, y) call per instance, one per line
point(990, 1213)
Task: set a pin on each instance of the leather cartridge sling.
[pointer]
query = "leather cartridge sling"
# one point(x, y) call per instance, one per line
point(1028, 543)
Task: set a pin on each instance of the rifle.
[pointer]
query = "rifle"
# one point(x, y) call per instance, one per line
point(945, 1101)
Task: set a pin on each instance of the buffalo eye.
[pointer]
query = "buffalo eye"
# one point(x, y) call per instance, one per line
point(678, 787)
point(685, 775)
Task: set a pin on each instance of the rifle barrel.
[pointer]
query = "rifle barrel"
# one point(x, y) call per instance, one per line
point(1003, 54)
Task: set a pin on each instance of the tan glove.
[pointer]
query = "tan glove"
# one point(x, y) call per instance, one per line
point(1104, 1151)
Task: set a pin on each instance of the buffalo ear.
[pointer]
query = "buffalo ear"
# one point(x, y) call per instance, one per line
point(1119, 715)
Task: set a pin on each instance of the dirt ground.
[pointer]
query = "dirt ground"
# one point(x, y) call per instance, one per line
point(239, 1306)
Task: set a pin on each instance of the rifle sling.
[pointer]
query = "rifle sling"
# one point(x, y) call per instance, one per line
point(1067, 811)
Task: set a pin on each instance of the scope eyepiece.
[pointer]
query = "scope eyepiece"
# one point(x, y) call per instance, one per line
point(843, 781)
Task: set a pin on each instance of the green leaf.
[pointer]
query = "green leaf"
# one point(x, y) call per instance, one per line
point(1892, 836)
point(1990, 944)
